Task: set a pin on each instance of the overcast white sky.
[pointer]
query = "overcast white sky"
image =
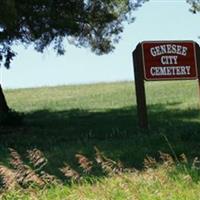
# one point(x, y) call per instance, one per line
point(156, 20)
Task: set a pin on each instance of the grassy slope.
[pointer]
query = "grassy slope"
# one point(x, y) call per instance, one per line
point(63, 121)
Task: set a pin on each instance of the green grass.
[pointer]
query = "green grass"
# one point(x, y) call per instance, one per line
point(62, 121)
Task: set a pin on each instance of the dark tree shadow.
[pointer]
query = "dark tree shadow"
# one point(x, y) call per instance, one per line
point(62, 134)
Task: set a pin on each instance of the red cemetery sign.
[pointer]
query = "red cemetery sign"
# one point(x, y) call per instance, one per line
point(167, 60)
point(163, 60)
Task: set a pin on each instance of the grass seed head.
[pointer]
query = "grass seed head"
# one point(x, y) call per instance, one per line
point(84, 163)
point(166, 158)
point(25, 176)
point(70, 173)
point(8, 177)
point(37, 158)
point(150, 162)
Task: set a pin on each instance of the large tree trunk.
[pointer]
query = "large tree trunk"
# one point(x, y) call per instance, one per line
point(3, 105)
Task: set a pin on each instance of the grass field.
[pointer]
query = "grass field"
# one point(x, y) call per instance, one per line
point(66, 120)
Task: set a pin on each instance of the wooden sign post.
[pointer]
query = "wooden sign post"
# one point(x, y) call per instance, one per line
point(163, 60)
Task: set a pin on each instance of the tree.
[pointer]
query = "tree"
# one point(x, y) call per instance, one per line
point(3, 105)
point(89, 23)
point(96, 24)
point(195, 5)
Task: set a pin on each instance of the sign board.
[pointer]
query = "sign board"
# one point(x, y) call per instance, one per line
point(169, 60)
point(163, 60)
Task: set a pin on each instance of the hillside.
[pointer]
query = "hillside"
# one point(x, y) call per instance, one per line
point(68, 120)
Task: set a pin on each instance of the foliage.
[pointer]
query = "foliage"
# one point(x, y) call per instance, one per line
point(166, 178)
point(64, 133)
point(90, 23)
point(195, 5)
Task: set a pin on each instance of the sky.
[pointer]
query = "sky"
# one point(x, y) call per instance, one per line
point(155, 20)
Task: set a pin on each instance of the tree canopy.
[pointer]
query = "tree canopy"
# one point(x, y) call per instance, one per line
point(89, 23)
point(195, 5)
